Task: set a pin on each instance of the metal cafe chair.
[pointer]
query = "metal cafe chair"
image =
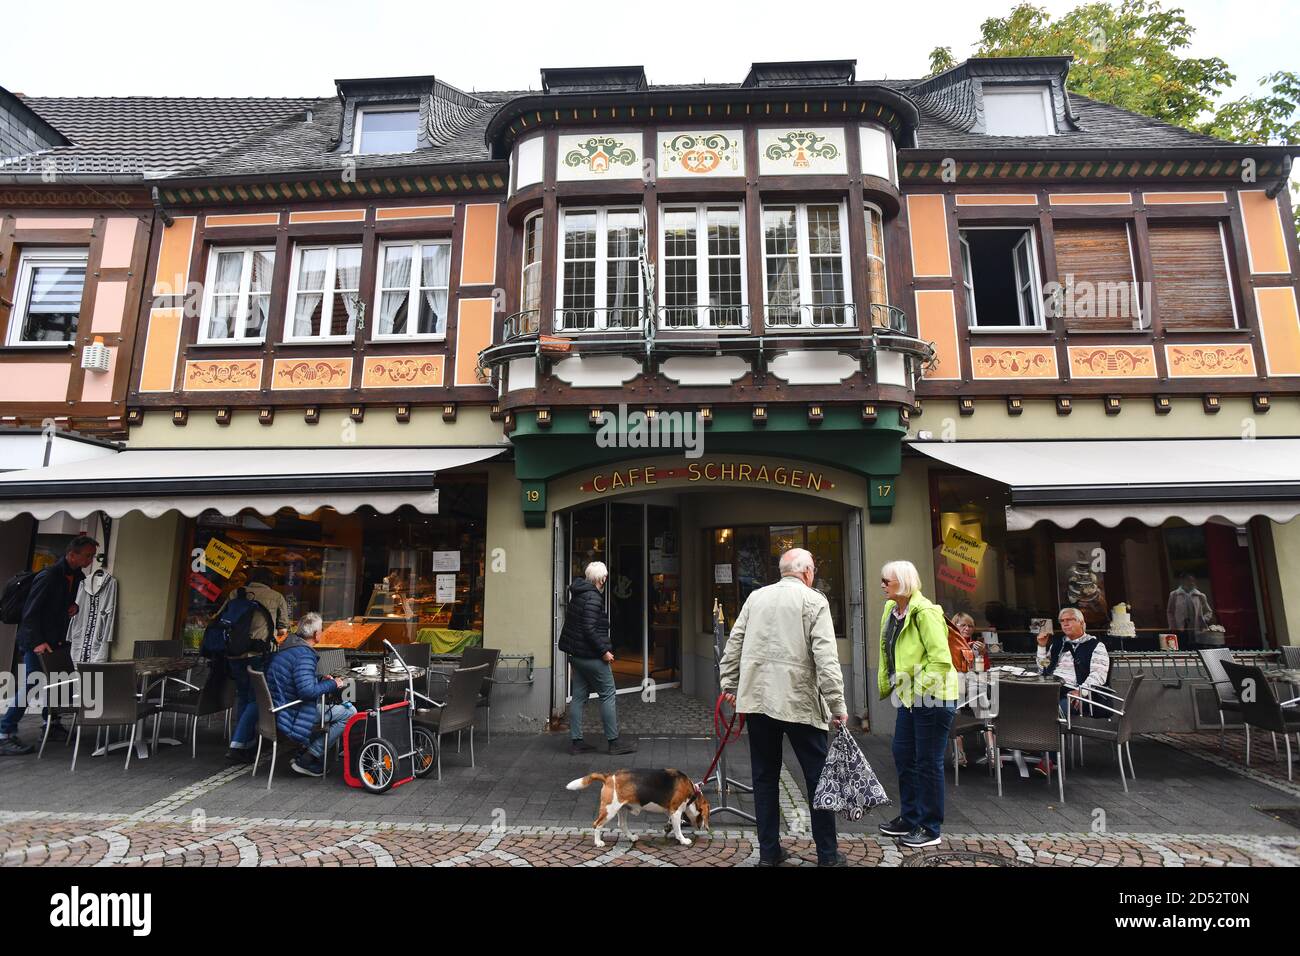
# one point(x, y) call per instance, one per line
point(473, 657)
point(1029, 719)
point(980, 713)
point(1119, 732)
point(1261, 708)
point(1214, 659)
point(457, 713)
point(211, 699)
point(57, 662)
point(119, 704)
point(266, 725)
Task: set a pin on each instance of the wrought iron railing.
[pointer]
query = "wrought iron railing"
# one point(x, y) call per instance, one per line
point(528, 322)
point(609, 319)
point(672, 317)
point(829, 315)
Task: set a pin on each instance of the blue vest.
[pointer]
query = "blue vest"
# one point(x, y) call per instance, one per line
point(1082, 654)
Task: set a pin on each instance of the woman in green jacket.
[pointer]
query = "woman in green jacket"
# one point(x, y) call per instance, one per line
point(916, 667)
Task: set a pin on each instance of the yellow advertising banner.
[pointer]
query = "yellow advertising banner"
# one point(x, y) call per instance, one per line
point(963, 548)
point(221, 557)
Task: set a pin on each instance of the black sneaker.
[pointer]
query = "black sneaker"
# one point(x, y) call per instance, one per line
point(579, 746)
point(895, 828)
point(620, 746)
point(239, 755)
point(308, 766)
point(920, 837)
point(781, 857)
point(13, 747)
point(837, 860)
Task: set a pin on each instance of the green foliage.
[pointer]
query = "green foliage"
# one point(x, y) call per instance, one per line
point(941, 59)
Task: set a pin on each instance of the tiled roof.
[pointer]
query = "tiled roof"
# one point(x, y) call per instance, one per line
point(147, 135)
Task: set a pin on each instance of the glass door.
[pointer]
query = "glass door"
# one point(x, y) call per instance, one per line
point(626, 593)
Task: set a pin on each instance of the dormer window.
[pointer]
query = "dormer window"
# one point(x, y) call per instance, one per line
point(1018, 111)
point(387, 129)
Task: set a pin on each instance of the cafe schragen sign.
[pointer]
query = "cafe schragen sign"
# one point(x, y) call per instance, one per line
point(708, 472)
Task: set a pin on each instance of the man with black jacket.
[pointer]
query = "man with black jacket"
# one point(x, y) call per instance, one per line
point(51, 605)
point(585, 638)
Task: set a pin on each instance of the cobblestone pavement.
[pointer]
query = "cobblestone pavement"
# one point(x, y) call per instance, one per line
point(1265, 766)
point(670, 712)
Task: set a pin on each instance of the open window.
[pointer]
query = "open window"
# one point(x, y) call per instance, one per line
point(1000, 275)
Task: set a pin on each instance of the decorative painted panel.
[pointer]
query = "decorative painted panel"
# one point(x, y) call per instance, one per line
point(301, 373)
point(1010, 362)
point(807, 367)
point(597, 371)
point(1212, 361)
point(402, 371)
point(704, 369)
point(594, 156)
point(223, 375)
point(796, 151)
point(1113, 361)
point(696, 154)
point(478, 262)
point(473, 335)
point(927, 223)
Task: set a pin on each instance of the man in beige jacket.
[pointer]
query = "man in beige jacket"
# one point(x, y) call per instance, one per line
point(782, 671)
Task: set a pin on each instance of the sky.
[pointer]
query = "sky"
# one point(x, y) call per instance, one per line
point(281, 48)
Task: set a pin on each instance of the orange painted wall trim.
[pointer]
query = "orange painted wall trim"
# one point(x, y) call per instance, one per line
point(927, 221)
point(473, 335)
point(328, 215)
point(1090, 199)
point(1180, 199)
point(1112, 361)
point(997, 199)
point(243, 219)
point(936, 321)
point(173, 271)
point(1213, 360)
point(478, 263)
point(1279, 326)
point(403, 371)
point(311, 373)
point(1010, 362)
point(414, 212)
point(1265, 240)
point(161, 346)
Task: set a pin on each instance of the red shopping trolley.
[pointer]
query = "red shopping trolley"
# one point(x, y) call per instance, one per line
point(382, 748)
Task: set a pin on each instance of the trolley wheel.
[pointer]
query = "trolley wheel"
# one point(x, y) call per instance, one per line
point(377, 764)
point(426, 755)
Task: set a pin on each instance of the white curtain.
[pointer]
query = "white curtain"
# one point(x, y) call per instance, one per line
point(397, 278)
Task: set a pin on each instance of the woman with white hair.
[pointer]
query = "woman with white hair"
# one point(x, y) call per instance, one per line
point(585, 638)
point(916, 667)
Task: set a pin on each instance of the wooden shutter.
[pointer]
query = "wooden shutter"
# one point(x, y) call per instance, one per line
point(1190, 274)
point(1096, 253)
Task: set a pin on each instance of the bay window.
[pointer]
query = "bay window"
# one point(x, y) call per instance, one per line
point(413, 287)
point(47, 297)
point(324, 293)
point(703, 267)
point(600, 269)
point(237, 300)
point(805, 265)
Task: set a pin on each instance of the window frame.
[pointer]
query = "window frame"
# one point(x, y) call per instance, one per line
point(702, 260)
point(968, 281)
point(358, 125)
point(415, 287)
point(327, 293)
point(879, 254)
point(29, 260)
point(804, 256)
point(600, 276)
point(1045, 98)
point(243, 296)
point(537, 263)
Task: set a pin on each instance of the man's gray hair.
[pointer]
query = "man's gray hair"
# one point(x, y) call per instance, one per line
point(905, 573)
point(310, 624)
point(796, 561)
point(596, 572)
point(1073, 612)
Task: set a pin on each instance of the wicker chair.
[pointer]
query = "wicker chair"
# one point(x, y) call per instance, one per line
point(1118, 731)
point(205, 701)
point(1029, 719)
point(1291, 657)
point(457, 713)
point(267, 729)
point(118, 704)
point(143, 650)
point(1261, 708)
point(1214, 659)
point(332, 660)
point(974, 715)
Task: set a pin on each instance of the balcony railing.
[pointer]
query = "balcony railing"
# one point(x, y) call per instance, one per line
point(619, 318)
point(672, 317)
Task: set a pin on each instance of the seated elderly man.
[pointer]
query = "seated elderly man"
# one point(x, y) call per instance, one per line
point(291, 677)
point(1077, 658)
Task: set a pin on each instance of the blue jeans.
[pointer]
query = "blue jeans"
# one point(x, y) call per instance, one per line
point(336, 717)
point(809, 745)
point(589, 674)
point(920, 740)
point(31, 666)
point(245, 715)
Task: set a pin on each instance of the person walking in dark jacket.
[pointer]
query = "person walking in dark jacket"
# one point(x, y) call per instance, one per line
point(291, 676)
point(585, 638)
point(50, 607)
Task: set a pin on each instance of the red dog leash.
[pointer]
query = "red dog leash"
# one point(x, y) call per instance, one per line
point(725, 734)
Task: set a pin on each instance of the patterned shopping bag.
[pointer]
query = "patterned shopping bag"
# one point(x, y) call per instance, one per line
point(848, 784)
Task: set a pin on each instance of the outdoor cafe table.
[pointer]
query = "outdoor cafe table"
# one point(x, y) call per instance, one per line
point(150, 670)
point(379, 681)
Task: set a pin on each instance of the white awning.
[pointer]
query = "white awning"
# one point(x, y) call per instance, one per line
point(229, 480)
point(1198, 480)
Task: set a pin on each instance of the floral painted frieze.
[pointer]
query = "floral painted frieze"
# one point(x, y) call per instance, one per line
point(1113, 361)
point(311, 373)
point(402, 371)
point(223, 375)
point(702, 153)
point(600, 156)
point(802, 151)
point(1210, 361)
point(1013, 362)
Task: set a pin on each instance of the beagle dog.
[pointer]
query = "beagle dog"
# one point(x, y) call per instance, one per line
point(664, 791)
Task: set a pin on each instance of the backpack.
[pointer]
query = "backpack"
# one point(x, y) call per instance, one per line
point(14, 597)
point(230, 635)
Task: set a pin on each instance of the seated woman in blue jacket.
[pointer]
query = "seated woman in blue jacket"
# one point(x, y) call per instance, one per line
point(291, 676)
